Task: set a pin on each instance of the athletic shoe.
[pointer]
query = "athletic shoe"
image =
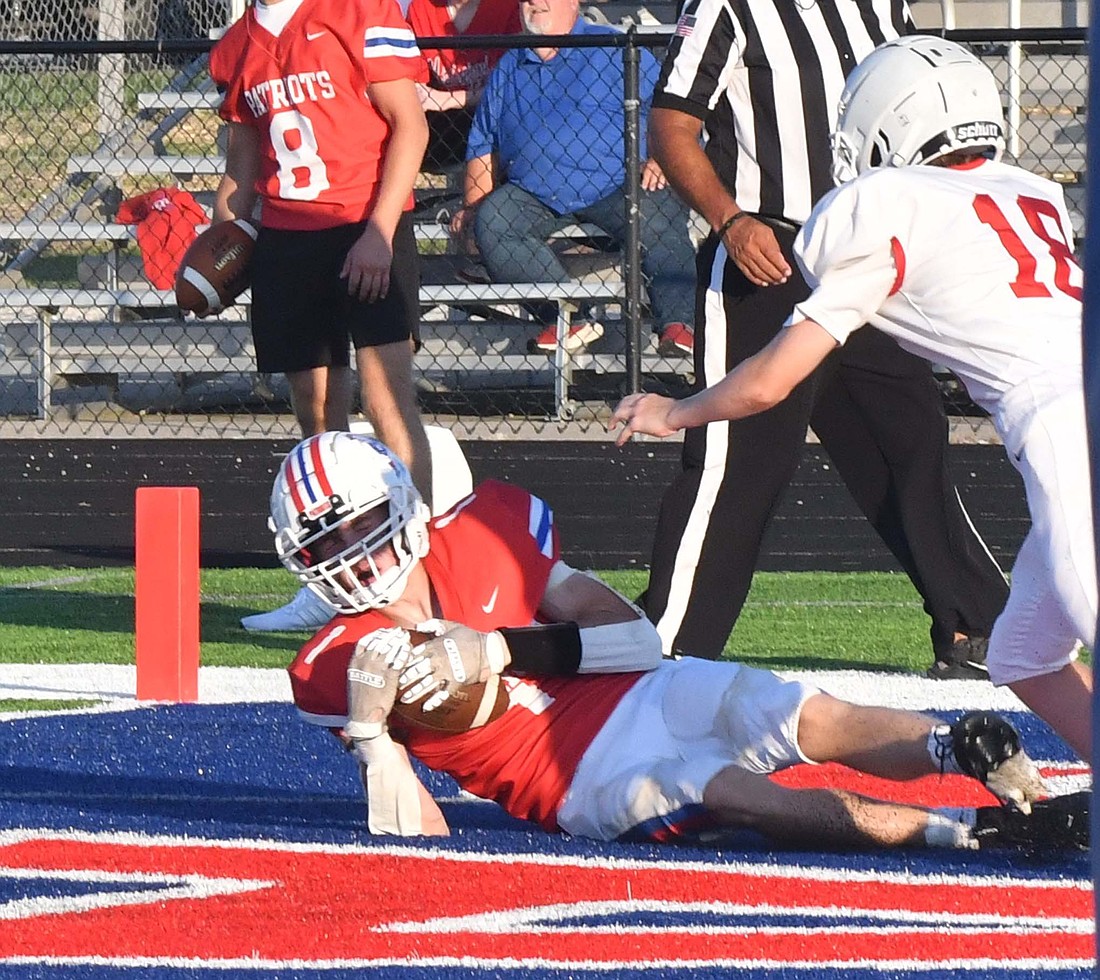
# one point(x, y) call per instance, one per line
point(305, 611)
point(987, 748)
point(677, 339)
point(580, 335)
point(964, 660)
point(1057, 823)
point(474, 272)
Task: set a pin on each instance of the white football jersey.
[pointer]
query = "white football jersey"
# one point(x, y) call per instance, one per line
point(969, 267)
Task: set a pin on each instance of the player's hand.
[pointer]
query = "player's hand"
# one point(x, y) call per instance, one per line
point(429, 98)
point(653, 177)
point(462, 222)
point(372, 687)
point(367, 265)
point(440, 100)
point(456, 655)
point(645, 413)
point(753, 246)
point(393, 644)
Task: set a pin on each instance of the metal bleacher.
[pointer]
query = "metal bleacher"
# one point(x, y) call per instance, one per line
point(472, 333)
point(66, 350)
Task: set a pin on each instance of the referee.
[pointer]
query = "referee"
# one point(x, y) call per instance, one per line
point(764, 77)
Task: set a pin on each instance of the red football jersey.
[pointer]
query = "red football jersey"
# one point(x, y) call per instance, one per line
point(489, 563)
point(322, 141)
point(452, 69)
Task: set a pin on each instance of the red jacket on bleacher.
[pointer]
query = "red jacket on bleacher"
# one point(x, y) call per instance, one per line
point(167, 220)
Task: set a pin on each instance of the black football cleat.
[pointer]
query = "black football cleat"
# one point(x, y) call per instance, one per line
point(987, 748)
point(981, 741)
point(1059, 823)
point(964, 660)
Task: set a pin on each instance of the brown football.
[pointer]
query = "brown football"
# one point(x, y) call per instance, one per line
point(469, 706)
point(214, 270)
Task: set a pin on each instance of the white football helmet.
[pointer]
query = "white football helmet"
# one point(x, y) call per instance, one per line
point(913, 100)
point(329, 480)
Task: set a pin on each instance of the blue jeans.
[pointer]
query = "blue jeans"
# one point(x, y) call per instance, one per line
point(512, 228)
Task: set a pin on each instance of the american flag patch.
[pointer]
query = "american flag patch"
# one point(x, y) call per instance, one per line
point(685, 25)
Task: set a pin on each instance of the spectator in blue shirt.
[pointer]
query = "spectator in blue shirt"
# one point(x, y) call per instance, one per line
point(546, 150)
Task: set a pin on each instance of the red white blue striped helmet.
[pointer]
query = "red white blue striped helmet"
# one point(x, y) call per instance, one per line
point(329, 480)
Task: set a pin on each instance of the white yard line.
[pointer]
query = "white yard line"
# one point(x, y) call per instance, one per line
point(116, 684)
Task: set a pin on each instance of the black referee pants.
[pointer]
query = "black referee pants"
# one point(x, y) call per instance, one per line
point(878, 413)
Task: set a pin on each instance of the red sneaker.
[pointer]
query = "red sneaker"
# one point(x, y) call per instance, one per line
point(675, 340)
point(580, 335)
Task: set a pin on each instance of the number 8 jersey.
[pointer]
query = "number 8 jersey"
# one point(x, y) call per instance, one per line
point(321, 140)
point(970, 267)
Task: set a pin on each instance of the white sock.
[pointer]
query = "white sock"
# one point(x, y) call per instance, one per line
point(941, 749)
point(951, 826)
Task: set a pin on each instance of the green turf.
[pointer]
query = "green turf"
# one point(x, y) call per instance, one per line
point(807, 619)
point(31, 704)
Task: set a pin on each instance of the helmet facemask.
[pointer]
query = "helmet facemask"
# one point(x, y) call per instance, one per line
point(362, 476)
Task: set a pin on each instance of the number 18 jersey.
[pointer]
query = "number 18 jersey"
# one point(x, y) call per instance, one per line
point(970, 267)
point(322, 142)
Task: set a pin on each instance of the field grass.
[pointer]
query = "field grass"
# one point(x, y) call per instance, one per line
point(791, 620)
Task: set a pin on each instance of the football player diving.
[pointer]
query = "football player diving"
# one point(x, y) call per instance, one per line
point(598, 735)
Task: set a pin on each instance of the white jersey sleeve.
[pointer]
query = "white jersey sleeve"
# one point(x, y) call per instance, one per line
point(970, 267)
point(846, 255)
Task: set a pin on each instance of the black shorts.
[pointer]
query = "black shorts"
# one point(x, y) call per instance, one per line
point(302, 315)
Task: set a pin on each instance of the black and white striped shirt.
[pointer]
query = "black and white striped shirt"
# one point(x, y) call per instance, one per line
point(765, 76)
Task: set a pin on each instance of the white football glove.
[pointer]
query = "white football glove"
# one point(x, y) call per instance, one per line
point(455, 655)
point(393, 644)
point(372, 684)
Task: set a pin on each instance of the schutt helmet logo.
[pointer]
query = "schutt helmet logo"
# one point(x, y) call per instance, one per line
point(978, 130)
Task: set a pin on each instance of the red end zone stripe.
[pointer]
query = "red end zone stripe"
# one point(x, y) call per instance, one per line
point(949, 790)
point(930, 791)
point(378, 904)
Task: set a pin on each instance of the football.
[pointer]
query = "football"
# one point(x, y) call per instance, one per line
point(214, 270)
point(469, 705)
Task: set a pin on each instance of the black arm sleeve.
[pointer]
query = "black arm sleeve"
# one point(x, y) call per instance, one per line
point(551, 650)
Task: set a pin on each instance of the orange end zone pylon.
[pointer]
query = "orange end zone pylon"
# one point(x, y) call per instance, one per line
point(166, 593)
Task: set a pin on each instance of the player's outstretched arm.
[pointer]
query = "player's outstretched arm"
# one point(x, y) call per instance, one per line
point(755, 385)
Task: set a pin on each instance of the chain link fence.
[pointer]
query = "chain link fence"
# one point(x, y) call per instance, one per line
point(93, 345)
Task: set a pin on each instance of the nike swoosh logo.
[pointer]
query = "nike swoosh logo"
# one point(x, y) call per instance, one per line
point(313, 37)
point(491, 604)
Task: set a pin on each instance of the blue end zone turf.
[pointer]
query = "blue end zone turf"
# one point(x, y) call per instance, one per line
point(248, 773)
